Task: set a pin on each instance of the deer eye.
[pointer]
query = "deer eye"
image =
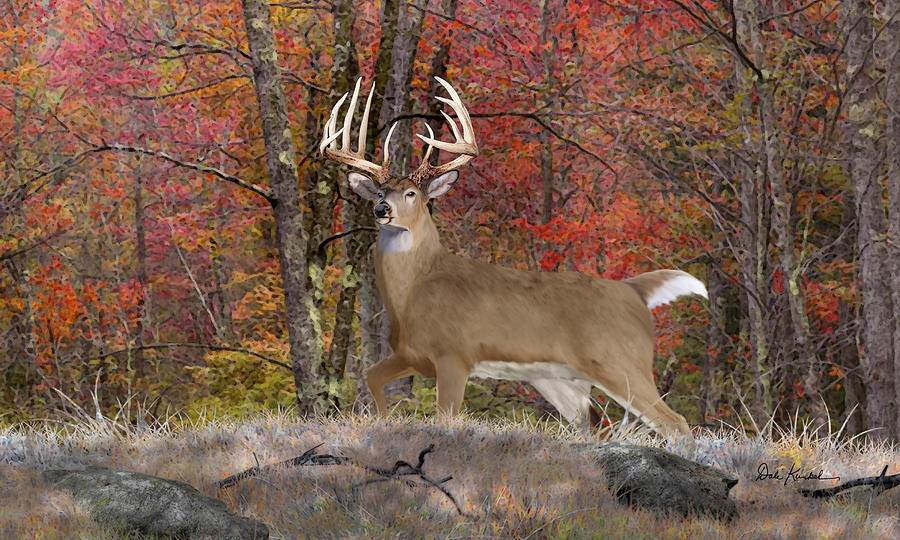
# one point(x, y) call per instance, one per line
point(410, 194)
point(380, 194)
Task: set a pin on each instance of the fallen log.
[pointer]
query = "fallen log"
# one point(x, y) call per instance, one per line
point(880, 483)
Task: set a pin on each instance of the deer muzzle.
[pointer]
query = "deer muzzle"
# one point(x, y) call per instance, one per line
point(381, 210)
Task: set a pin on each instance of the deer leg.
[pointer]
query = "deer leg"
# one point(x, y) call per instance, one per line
point(383, 372)
point(640, 397)
point(572, 399)
point(451, 385)
point(670, 423)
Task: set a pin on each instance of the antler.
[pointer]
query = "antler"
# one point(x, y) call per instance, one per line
point(328, 146)
point(464, 144)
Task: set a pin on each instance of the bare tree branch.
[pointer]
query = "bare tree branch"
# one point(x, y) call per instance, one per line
point(730, 39)
point(535, 117)
point(96, 149)
point(259, 190)
point(210, 84)
point(324, 243)
point(192, 346)
point(12, 253)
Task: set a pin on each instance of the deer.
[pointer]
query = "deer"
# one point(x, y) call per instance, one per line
point(453, 317)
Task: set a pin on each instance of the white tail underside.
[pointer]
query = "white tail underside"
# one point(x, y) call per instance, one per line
point(677, 284)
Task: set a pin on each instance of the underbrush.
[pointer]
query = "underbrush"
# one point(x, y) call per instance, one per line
point(517, 478)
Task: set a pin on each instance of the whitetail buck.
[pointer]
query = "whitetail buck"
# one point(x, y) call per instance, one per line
point(452, 317)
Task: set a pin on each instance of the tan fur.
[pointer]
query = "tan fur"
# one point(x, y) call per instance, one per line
point(449, 312)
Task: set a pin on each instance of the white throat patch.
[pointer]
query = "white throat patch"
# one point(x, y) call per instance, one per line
point(393, 239)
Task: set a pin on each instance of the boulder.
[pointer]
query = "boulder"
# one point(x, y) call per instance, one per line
point(152, 506)
point(659, 480)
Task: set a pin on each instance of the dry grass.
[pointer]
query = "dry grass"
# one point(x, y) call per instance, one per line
point(517, 478)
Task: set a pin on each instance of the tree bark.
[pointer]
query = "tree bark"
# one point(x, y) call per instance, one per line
point(848, 356)
point(782, 222)
point(892, 98)
point(754, 236)
point(398, 101)
point(358, 213)
point(141, 254)
point(717, 341)
point(397, 93)
point(547, 55)
point(282, 169)
point(344, 72)
point(862, 133)
point(439, 69)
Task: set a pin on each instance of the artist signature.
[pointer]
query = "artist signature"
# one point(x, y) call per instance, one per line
point(793, 475)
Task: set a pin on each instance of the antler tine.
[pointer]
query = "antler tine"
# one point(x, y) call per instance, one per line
point(327, 137)
point(464, 142)
point(461, 112)
point(364, 125)
point(430, 148)
point(452, 126)
point(345, 143)
point(328, 146)
point(387, 144)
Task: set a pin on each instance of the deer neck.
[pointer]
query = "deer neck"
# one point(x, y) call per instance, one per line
point(404, 255)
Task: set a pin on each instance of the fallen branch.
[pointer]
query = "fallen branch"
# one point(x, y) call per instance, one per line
point(402, 468)
point(880, 483)
point(310, 458)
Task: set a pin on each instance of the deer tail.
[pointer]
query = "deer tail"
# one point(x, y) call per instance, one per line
point(663, 286)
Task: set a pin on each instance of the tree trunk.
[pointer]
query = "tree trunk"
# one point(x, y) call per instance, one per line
point(717, 341)
point(282, 169)
point(547, 56)
point(344, 72)
point(439, 69)
point(848, 349)
point(359, 277)
point(397, 102)
point(753, 239)
point(892, 98)
point(141, 254)
point(770, 172)
point(782, 221)
point(862, 132)
point(397, 93)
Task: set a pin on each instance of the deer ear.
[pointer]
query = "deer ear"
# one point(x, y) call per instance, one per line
point(364, 186)
point(441, 184)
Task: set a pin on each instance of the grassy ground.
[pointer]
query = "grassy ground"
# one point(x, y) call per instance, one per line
point(513, 479)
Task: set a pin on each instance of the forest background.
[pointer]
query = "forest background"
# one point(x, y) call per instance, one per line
point(168, 233)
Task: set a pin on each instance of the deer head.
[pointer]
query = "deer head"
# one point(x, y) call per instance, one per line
point(399, 202)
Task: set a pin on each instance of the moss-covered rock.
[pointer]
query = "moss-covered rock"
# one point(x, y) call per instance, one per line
point(659, 480)
point(153, 506)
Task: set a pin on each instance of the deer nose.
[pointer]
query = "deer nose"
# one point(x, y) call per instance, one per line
point(381, 210)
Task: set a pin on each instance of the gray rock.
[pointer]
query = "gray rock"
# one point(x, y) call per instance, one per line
point(153, 506)
point(659, 480)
